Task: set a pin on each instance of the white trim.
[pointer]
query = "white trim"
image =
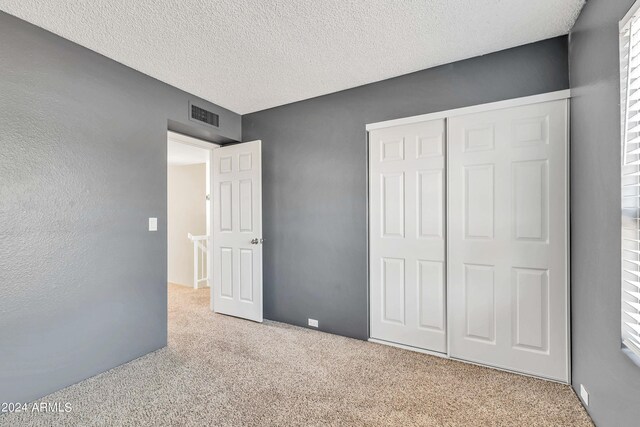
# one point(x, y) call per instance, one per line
point(567, 236)
point(509, 103)
point(184, 139)
point(211, 229)
point(367, 222)
point(629, 15)
point(408, 347)
point(447, 265)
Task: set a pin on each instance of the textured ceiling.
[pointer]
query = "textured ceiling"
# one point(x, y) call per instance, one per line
point(248, 55)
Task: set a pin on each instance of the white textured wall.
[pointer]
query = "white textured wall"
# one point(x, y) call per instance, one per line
point(186, 192)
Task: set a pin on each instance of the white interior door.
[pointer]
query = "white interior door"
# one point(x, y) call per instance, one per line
point(407, 232)
point(237, 231)
point(507, 239)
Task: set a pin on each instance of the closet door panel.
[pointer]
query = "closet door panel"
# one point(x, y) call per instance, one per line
point(507, 239)
point(407, 235)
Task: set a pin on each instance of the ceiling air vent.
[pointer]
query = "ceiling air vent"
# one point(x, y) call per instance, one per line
point(201, 115)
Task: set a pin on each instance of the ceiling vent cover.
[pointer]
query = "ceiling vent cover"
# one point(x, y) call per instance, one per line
point(201, 115)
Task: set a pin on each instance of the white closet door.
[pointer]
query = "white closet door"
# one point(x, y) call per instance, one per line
point(507, 247)
point(407, 231)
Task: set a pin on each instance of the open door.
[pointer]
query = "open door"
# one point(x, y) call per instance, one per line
point(237, 231)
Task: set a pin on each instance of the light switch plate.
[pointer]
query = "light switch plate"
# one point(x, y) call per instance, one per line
point(153, 224)
point(313, 322)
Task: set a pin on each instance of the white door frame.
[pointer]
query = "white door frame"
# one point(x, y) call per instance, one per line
point(210, 146)
point(509, 103)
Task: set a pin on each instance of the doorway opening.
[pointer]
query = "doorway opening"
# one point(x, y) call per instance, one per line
point(189, 212)
point(214, 224)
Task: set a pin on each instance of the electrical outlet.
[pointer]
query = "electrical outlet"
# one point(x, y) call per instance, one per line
point(313, 322)
point(584, 394)
point(153, 224)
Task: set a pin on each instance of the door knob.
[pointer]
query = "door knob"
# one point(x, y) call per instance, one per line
point(255, 241)
point(261, 240)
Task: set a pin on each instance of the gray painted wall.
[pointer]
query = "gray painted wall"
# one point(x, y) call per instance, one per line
point(315, 177)
point(82, 166)
point(612, 379)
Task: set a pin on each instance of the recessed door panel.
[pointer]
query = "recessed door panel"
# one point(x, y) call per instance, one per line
point(479, 138)
point(507, 239)
point(530, 131)
point(246, 205)
point(530, 197)
point(226, 272)
point(226, 206)
point(531, 315)
point(392, 196)
point(431, 294)
point(245, 162)
point(392, 150)
point(407, 231)
point(430, 146)
point(226, 164)
point(246, 275)
point(430, 204)
point(478, 201)
point(479, 302)
point(393, 290)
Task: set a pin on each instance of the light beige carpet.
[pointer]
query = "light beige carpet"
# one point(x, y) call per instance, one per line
point(224, 371)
